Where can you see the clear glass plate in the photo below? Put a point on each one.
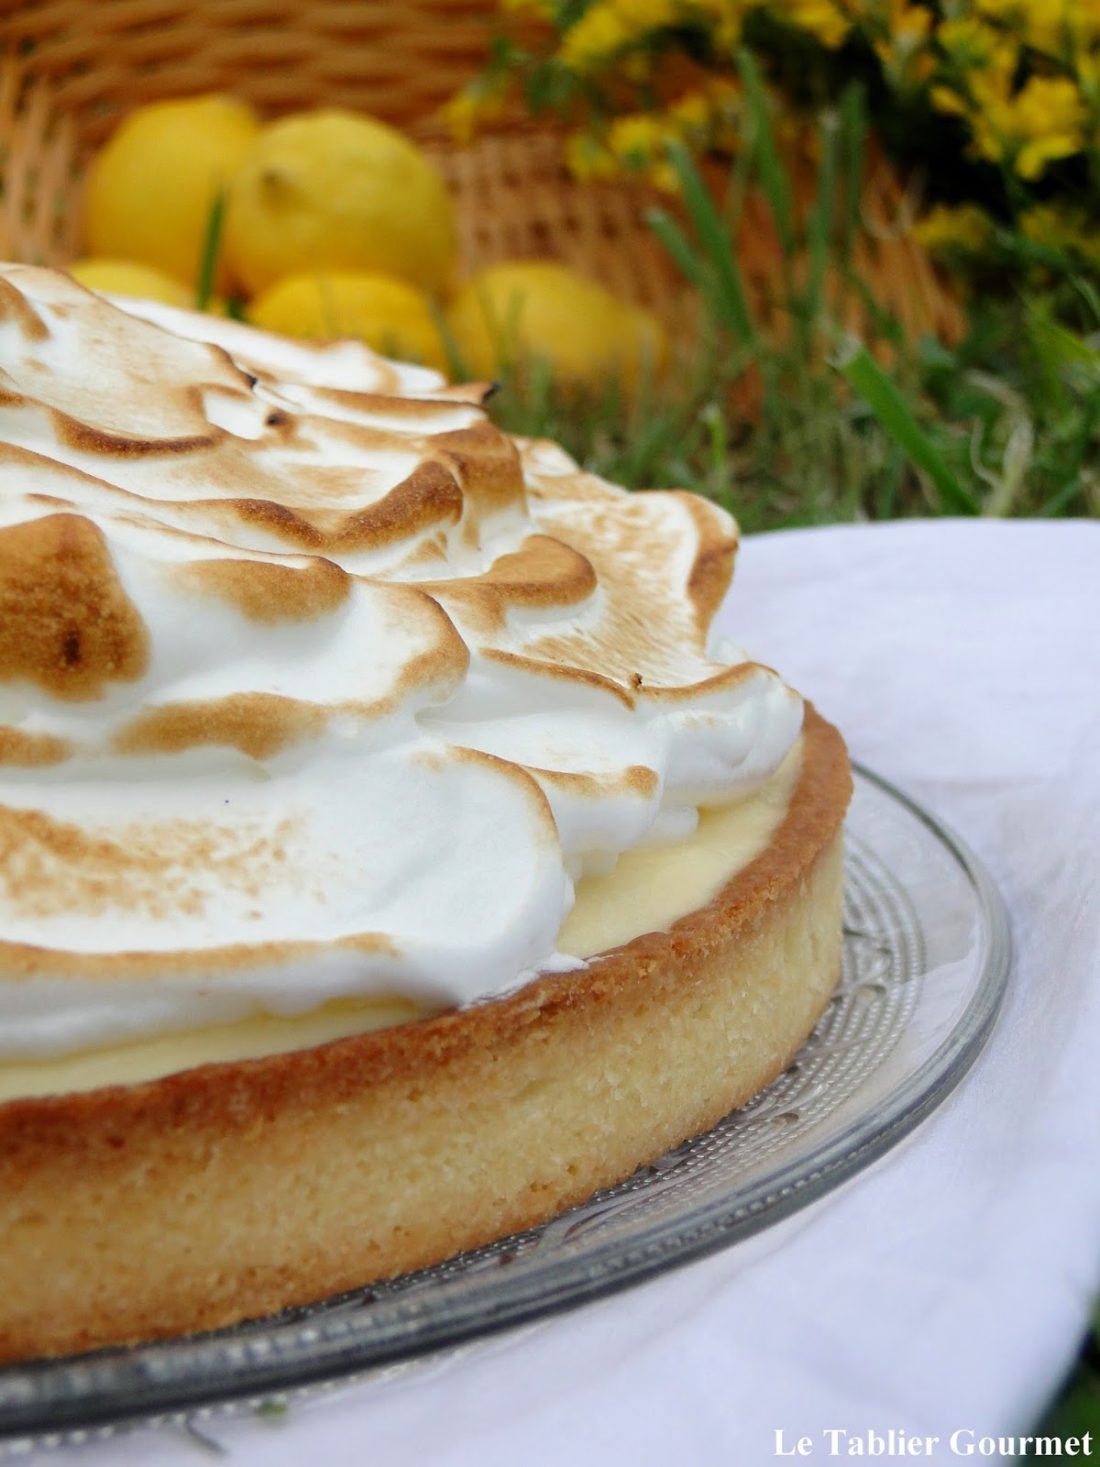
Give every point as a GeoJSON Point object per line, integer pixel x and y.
{"type": "Point", "coordinates": [926, 955]}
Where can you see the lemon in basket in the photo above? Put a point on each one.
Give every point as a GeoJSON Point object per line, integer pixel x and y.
{"type": "Point", "coordinates": [514, 313]}
{"type": "Point", "coordinates": [332, 190]}
{"type": "Point", "coordinates": [151, 189]}
{"type": "Point", "coordinates": [128, 277]}
{"type": "Point", "coordinates": [390, 315]}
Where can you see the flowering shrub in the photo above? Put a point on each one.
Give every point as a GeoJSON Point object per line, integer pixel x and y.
{"type": "Point", "coordinates": [994, 108]}
{"type": "Point", "coordinates": [1012, 85]}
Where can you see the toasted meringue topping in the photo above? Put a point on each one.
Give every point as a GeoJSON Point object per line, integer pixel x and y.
{"type": "Point", "coordinates": [314, 685]}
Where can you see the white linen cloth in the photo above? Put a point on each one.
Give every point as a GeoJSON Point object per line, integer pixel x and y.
{"type": "Point", "coordinates": [944, 1288]}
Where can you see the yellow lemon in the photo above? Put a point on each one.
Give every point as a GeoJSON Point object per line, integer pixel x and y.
{"type": "Point", "coordinates": [331, 190]}
{"type": "Point", "coordinates": [127, 277]}
{"type": "Point", "coordinates": [514, 313]}
{"type": "Point", "coordinates": [390, 315]}
{"type": "Point", "coordinates": [152, 187]}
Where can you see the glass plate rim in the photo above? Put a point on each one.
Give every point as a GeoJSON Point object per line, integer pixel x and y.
{"type": "Point", "coordinates": [294, 1354]}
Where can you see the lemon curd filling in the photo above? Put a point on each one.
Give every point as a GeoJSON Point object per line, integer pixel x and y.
{"type": "Point", "coordinates": [323, 701]}
{"type": "Point", "coordinates": [648, 889]}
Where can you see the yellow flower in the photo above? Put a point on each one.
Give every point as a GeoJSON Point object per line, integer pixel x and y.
{"type": "Point", "coordinates": [664, 177]}
{"type": "Point", "coordinates": [962, 228]}
{"type": "Point", "coordinates": [460, 115]}
{"type": "Point", "coordinates": [977, 81]}
{"type": "Point", "coordinates": [638, 138]}
{"type": "Point", "coordinates": [724, 124]}
{"type": "Point", "coordinates": [902, 48]}
{"type": "Point", "coordinates": [723, 16]}
{"type": "Point", "coordinates": [465, 112]}
{"type": "Point", "coordinates": [1042, 224]}
{"type": "Point", "coordinates": [946, 99]}
{"type": "Point", "coordinates": [725, 95]}
{"type": "Point", "coordinates": [1083, 18]}
{"type": "Point", "coordinates": [910, 25]}
{"type": "Point", "coordinates": [1029, 128]}
{"type": "Point", "coordinates": [704, 117]}
{"type": "Point", "coordinates": [692, 112]}
{"type": "Point", "coordinates": [646, 15]}
{"type": "Point", "coordinates": [587, 159]}
{"type": "Point", "coordinates": [1048, 114]}
{"type": "Point", "coordinates": [1066, 231]}
{"type": "Point", "coordinates": [1043, 24]}
{"type": "Point", "coordinates": [822, 18]}
{"type": "Point", "coordinates": [609, 26]}
{"type": "Point", "coordinates": [972, 45]}
{"type": "Point", "coordinates": [1046, 24]}
{"type": "Point", "coordinates": [598, 34]}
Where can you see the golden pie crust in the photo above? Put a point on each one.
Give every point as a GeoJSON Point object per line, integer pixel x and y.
{"type": "Point", "coordinates": [235, 1190]}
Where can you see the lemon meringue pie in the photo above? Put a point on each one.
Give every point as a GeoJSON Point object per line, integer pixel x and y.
{"type": "Point", "coordinates": [390, 854]}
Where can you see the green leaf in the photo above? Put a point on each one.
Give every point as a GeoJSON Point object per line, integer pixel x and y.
{"type": "Point", "coordinates": [1061, 348]}
{"type": "Point", "coordinates": [864, 375]}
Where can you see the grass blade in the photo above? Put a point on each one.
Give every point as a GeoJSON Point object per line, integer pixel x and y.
{"type": "Point", "coordinates": [1061, 499]}
{"type": "Point", "coordinates": [676, 242]}
{"type": "Point", "coordinates": [774, 178]}
{"type": "Point", "coordinates": [819, 226]}
{"type": "Point", "coordinates": [211, 248]}
{"type": "Point", "coordinates": [457, 370]}
{"type": "Point", "coordinates": [891, 483]}
{"type": "Point", "coordinates": [1088, 293]}
{"type": "Point", "coordinates": [740, 178]}
{"type": "Point", "coordinates": [864, 375]}
{"type": "Point", "coordinates": [853, 137]}
{"type": "Point", "coordinates": [728, 295]}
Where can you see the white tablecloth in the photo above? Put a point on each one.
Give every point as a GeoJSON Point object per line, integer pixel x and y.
{"type": "Point", "coordinates": [942, 1290]}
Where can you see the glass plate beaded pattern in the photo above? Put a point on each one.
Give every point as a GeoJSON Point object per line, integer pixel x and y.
{"type": "Point", "coordinates": [926, 956]}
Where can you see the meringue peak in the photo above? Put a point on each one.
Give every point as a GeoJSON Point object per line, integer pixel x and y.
{"type": "Point", "coordinates": [66, 623]}
{"type": "Point", "coordinates": [314, 684]}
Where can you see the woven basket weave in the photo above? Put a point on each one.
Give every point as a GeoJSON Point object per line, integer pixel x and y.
{"type": "Point", "coordinates": [71, 69]}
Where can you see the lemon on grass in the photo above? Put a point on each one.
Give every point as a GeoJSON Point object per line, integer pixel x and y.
{"type": "Point", "coordinates": [128, 277]}
{"type": "Point", "coordinates": [390, 315]}
{"type": "Point", "coordinates": [151, 189]}
{"type": "Point", "coordinates": [514, 313]}
{"type": "Point", "coordinates": [332, 190]}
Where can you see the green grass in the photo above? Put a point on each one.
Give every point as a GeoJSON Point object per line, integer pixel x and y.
{"type": "Point", "coordinates": [1001, 425]}
{"type": "Point", "coordinates": [805, 425]}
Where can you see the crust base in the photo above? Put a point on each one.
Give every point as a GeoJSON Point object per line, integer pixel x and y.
{"type": "Point", "coordinates": [236, 1190]}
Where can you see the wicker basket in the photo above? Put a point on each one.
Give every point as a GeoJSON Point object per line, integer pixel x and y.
{"type": "Point", "coordinates": [71, 69]}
